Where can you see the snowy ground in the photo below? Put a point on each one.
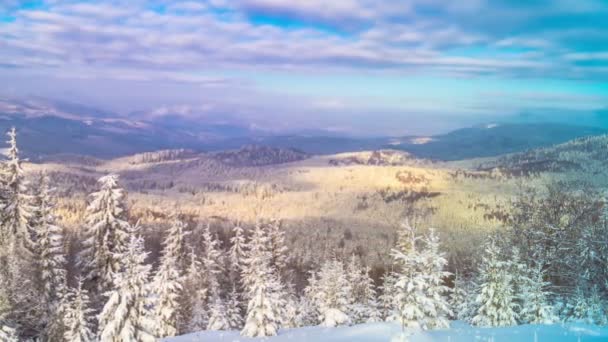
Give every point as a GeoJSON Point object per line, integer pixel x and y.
{"type": "Point", "coordinates": [385, 332]}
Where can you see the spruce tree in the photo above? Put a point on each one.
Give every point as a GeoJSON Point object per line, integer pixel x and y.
{"type": "Point", "coordinates": [387, 297]}
{"type": "Point", "coordinates": [536, 308]}
{"type": "Point", "coordinates": [495, 299]}
{"type": "Point", "coordinates": [79, 316]}
{"type": "Point", "coordinates": [106, 234]}
{"type": "Point", "coordinates": [218, 315]}
{"type": "Point", "coordinates": [17, 211]}
{"type": "Point", "coordinates": [331, 294]}
{"type": "Point", "coordinates": [167, 285]}
{"type": "Point", "coordinates": [125, 316]}
{"type": "Point", "coordinates": [264, 289]}
{"type": "Point", "coordinates": [236, 255]}
{"type": "Point", "coordinates": [411, 280]}
{"type": "Point", "coordinates": [235, 317]}
{"type": "Point", "coordinates": [50, 259]}
{"type": "Point", "coordinates": [438, 311]}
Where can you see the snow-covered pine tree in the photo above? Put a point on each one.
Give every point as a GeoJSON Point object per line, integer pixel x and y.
{"type": "Point", "coordinates": [411, 280]}
{"type": "Point", "coordinates": [106, 235]}
{"type": "Point", "coordinates": [125, 316]}
{"type": "Point", "coordinates": [264, 289]}
{"type": "Point", "coordinates": [17, 264]}
{"type": "Point", "coordinates": [199, 316]}
{"type": "Point", "coordinates": [495, 300]}
{"type": "Point", "coordinates": [536, 308]}
{"type": "Point", "coordinates": [167, 285]}
{"type": "Point", "coordinates": [79, 316]}
{"type": "Point", "coordinates": [50, 258]}
{"type": "Point", "coordinates": [218, 315]}
{"type": "Point", "coordinates": [277, 248]}
{"type": "Point", "coordinates": [194, 305]}
{"type": "Point", "coordinates": [235, 317]}
{"type": "Point", "coordinates": [363, 306]}
{"type": "Point", "coordinates": [460, 299]}
{"type": "Point", "coordinates": [331, 294]}
{"type": "Point", "coordinates": [212, 263]}
{"type": "Point", "coordinates": [387, 297]}
{"type": "Point", "coordinates": [17, 211]}
{"type": "Point", "coordinates": [306, 312]}
{"type": "Point", "coordinates": [410, 288]}
{"type": "Point", "coordinates": [236, 255]}
{"type": "Point", "coordinates": [438, 310]}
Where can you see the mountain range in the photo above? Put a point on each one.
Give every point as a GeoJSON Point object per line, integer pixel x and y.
{"type": "Point", "coordinates": [51, 127]}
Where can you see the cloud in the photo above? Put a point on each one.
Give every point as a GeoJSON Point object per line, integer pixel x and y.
{"type": "Point", "coordinates": [236, 44]}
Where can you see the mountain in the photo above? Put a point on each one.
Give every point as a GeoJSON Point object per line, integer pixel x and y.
{"type": "Point", "coordinates": [49, 127]}
{"type": "Point", "coordinates": [492, 140]}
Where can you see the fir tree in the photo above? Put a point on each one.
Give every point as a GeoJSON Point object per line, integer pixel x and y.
{"type": "Point", "coordinates": [495, 300]}
{"type": "Point", "coordinates": [212, 263]}
{"type": "Point", "coordinates": [363, 306]}
{"type": "Point", "coordinates": [264, 289]}
{"type": "Point", "coordinates": [236, 255]}
{"type": "Point", "coordinates": [411, 281]}
{"type": "Point", "coordinates": [460, 300]}
{"type": "Point", "coordinates": [106, 234]}
{"type": "Point", "coordinates": [534, 300]}
{"type": "Point", "coordinates": [218, 315]}
{"type": "Point", "coordinates": [125, 317]}
{"type": "Point", "coordinates": [277, 248]}
{"type": "Point", "coordinates": [235, 317]}
{"type": "Point", "coordinates": [387, 297]}
{"type": "Point", "coordinates": [438, 310]}
{"type": "Point", "coordinates": [50, 258]}
{"type": "Point", "coordinates": [17, 212]}
{"type": "Point", "coordinates": [79, 317]}
{"type": "Point", "coordinates": [331, 294]}
{"type": "Point", "coordinates": [167, 284]}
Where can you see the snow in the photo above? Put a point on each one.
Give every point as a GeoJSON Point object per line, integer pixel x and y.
{"type": "Point", "coordinates": [390, 332]}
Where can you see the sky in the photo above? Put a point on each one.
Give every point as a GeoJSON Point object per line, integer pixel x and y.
{"type": "Point", "coordinates": [363, 67]}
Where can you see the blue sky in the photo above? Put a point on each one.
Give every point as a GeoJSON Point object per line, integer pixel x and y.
{"type": "Point", "coordinates": [354, 66]}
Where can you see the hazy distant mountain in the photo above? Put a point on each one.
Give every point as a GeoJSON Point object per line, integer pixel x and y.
{"type": "Point", "coordinates": [492, 140]}
{"type": "Point", "coordinates": [50, 127]}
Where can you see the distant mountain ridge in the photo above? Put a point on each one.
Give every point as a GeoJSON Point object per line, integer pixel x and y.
{"type": "Point", "coordinates": [51, 128]}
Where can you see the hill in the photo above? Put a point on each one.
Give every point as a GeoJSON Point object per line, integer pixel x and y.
{"type": "Point", "coordinates": [493, 140]}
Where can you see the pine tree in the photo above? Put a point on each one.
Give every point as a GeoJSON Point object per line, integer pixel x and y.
{"type": "Point", "coordinates": [212, 263]}
{"type": "Point", "coordinates": [363, 306]}
{"type": "Point", "coordinates": [331, 294]}
{"type": "Point", "coordinates": [235, 317]}
{"type": "Point", "coordinates": [17, 212]}
{"type": "Point", "coordinates": [264, 289]}
{"type": "Point", "coordinates": [17, 262]}
{"type": "Point", "coordinates": [50, 259]}
{"type": "Point", "coordinates": [411, 281]}
{"type": "Point", "coordinates": [495, 300]}
{"type": "Point", "coordinates": [218, 315]}
{"type": "Point", "coordinates": [79, 317]}
{"type": "Point", "coordinates": [167, 284]}
{"type": "Point", "coordinates": [534, 298]}
{"type": "Point", "coordinates": [438, 310]}
{"type": "Point", "coordinates": [236, 255]}
{"type": "Point", "coordinates": [106, 234]}
{"type": "Point", "coordinates": [277, 248]}
{"type": "Point", "coordinates": [125, 316]}
{"type": "Point", "coordinates": [387, 297]}
{"type": "Point", "coordinates": [460, 300]}
{"type": "Point", "coordinates": [199, 317]}
{"type": "Point", "coordinates": [194, 304]}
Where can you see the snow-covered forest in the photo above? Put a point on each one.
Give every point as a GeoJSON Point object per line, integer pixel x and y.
{"type": "Point", "coordinates": [112, 289]}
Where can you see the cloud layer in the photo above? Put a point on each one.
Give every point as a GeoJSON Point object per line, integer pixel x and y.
{"type": "Point", "coordinates": [249, 47]}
